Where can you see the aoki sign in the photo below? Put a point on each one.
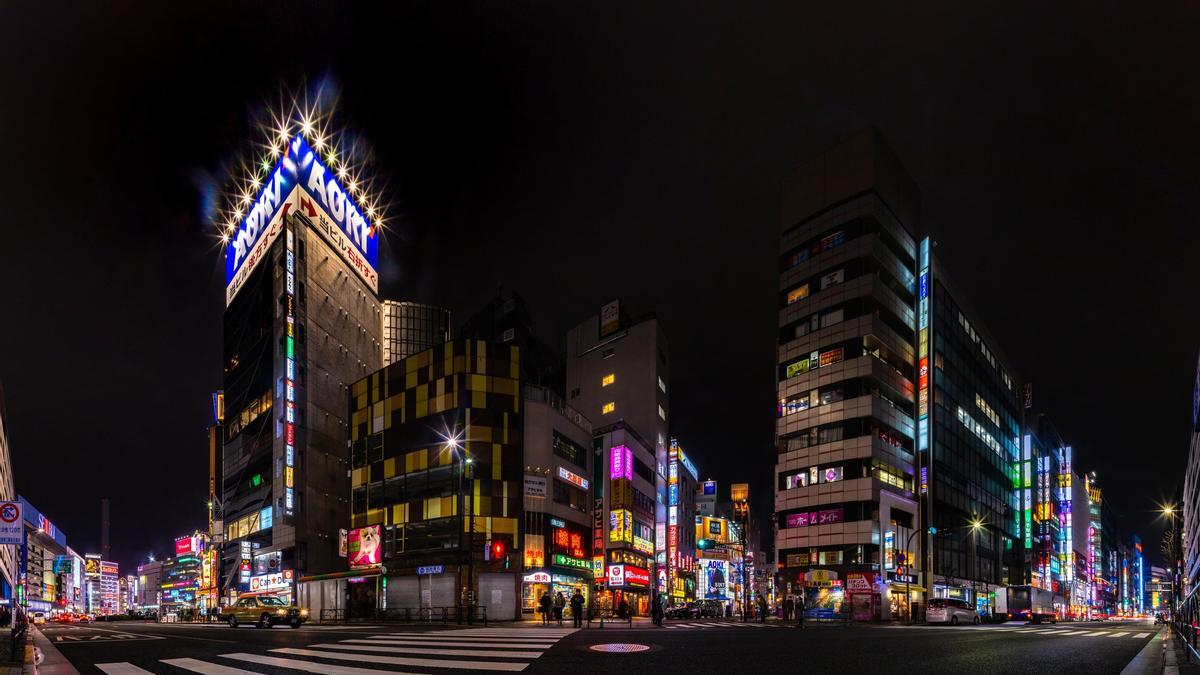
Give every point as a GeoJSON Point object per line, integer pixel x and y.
{"type": "Point", "coordinates": [300, 183]}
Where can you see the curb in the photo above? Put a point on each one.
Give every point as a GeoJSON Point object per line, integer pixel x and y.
{"type": "Point", "coordinates": [1149, 661]}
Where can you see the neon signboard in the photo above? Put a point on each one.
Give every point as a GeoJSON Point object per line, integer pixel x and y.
{"type": "Point", "coordinates": [923, 374]}
{"type": "Point", "coordinates": [621, 462]}
{"type": "Point", "coordinates": [573, 479]}
{"type": "Point", "coordinates": [301, 173]}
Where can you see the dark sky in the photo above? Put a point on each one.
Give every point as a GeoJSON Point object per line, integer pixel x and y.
{"type": "Point", "coordinates": [577, 154]}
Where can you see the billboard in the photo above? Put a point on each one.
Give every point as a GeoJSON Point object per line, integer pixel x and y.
{"type": "Point", "coordinates": [363, 546]}
{"type": "Point", "coordinates": [300, 183]}
{"type": "Point", "coordinates": [184, 546]}
{"type": "Point", "coordinates": [610, 318]}
{"type": "Point", "coordinates": [276, 581]}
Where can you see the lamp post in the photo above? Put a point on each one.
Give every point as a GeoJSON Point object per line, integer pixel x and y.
{"type": "Point", "coordinates": [907, 588]}
{"type": "Point", "coordinates": [1169, 511]}
{"type": "Point", "coordinates": [454, 445]}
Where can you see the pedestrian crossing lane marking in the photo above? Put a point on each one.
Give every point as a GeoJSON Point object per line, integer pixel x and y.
{"type": "Point", "coordinates": [417, 642]}
{"type": "Point", "coordinates": [307, 666]}
{"type": "Point", "coordinates": [1140, 635]}
{"type": "Point", "coordinates": [206, 668]}
{"type": "Point", "coordinates": [1095, 633]}
{"type": "Point", "coordinates": [122, 668]}
{"type": "Point", "coordinates": [1118, 634]}
{"type": "Point", "coordinates": [433, 651]}
{"type": "Point", "coordinates": [404, 661]}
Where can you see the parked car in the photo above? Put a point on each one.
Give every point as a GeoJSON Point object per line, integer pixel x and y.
{"type": "Point", "coordinates": [711, 608]}
{"type": "Point", "coordinates": [38, 618]}
{"type": "Point", "coordinates": [951, 611]}
{"type": "Point", "coordinates": [690, 610]}
{"type": "Point", "coordinates": [263, 611]}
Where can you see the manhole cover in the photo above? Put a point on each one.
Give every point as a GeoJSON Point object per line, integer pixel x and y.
{"type": "Point", "coordinates": [619, 648]}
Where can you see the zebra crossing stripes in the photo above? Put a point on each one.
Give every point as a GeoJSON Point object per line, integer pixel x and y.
{"type": "Point", "coordinates": [719, 624]}
{"type": "Point", "coordinates": [478, 650]}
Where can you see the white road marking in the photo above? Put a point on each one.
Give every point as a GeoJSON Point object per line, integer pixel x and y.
{"type": "Point", "coordinates": [1095, 633]}
{"type": "Point", "coordinates": [1118, 634]}
{"type": "Point", "coordinates": [416, 642]}
{"type": "Point", "coordinates": [122, 668]}
{"type": "Point", "coordinates": [388, 649]}
{"type": "Point", "coordinates": [307, 666]}
{"type": "Point", "coordinates": [451, 638]}
{"type": "Point", "coordinates": [1140, 635]}
{"type": "Point", "coordinates": [206, 668]}
{"type": "Point", "coordinates": [405, 661]}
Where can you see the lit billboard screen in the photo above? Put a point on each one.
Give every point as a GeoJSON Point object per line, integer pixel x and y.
{"type": "Point", "coordinates": [364, 546]}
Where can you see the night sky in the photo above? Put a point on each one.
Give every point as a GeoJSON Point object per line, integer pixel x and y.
{"type": "Point", "coordinates": [577, 154]}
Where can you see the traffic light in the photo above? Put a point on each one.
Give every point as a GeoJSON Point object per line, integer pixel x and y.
{"type": "Point", "coordinates": [498, 549]}
{"type": "Point", "coordinates": [901, 559]}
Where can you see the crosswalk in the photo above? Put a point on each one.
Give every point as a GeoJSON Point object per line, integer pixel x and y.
{"type": "Point", "coordinates": [1135, 632]}
{"type": "Point", "coordinates": [476, 649]}
{"type": "Point", "coordinates": [719, 624]}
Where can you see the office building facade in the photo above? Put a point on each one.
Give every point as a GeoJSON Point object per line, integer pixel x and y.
{"type": "Point", "coordinates": [845, 498]}
{"type": "Point", "coordinates": [559, 487]}
{"type": "Point", "coordinates": [437, 481]}
{"type": "Point", "coordinates": [302, 322]}
{"type": "Point", "coordinates": [411, 327]}
{"type": "Point", "coordinates": [618, 375]}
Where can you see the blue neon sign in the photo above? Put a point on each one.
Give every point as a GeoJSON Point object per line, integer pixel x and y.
{"type": "Point", "coordinates": [301, 167]}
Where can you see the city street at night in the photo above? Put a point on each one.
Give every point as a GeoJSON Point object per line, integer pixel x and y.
{"type": "Point", "coordinates": [345, 338]}
{"type": "Point", "coordinates": [716, 646]}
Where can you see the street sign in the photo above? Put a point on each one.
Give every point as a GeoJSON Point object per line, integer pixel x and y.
{"type": "Point", "coordinates": [11, 526]}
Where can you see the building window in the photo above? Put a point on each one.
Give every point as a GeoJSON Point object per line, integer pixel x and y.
{"type": "Point", "coordinates": [797, 294]}
{"type": "Point", "coordinates": [608, 407]}
{"type": "Point", "coordinates": [571, 496]}
{"type": "Point", "coordinates": [662, 414]}
{"type": "Point", "coordinates": [569, 450]}
{"type": "Point", "coordinates": [608, 379]}
{"type": "Point", "coordinates": [662, 385]}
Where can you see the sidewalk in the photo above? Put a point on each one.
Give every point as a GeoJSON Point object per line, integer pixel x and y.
{"type": "Point", "coordinates": [1177, 657]}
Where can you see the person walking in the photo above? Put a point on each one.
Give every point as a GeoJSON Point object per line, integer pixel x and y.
{"type": "Point", "coordinates": [657, 611]}
{"type": "Point", "coordinates": [560, 602]}
{"type": "Point", "coordinates": [545, 604]}
{"type": "Point", "coordinates": [788, 608]}
{"type": "Point", "coordinates": [577, 609]}
{"type": "Point", "coordinates": [800, 610]}
{"type": "Point", "coordinates": [762, 608]}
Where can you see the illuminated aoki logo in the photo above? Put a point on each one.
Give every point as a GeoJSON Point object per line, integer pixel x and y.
{"type": "Point", "coordinates": [260, 217]}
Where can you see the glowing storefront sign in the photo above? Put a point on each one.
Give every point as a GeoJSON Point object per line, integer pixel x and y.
{"type": "Point", "coordinates": [573, 479]}
{"type": "Point", "coordinates": [567, 561]}
{"type": "Point", "coordinates": [620, 526]}
{"type": "Point", "coordinates": [628, 575]}
{"type": "Point", "coordinates": [363, 545]}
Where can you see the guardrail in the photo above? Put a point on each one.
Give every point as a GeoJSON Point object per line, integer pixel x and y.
{"type": "Point", "coordinates": [455, 614]}
{"type": "Point", "coordinates": [1187, 633]}
{"type": "Point", "coordinates": [611, 616]}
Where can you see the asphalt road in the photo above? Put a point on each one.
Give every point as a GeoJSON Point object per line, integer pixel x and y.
{"type": "Point", "coordinates": [712, 646]}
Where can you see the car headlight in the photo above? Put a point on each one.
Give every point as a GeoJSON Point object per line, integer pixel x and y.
{"type": "Point", "coordinates": [304, 612]}
{"type": "Point", "coordinates": [281, 612]}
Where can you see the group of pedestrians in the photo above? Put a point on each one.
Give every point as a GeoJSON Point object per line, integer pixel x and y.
{"type": "Point", "coordinates": [555, 605]}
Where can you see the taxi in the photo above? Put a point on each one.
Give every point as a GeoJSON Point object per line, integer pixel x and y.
{"type": "Point", "coordinates": [263, 611]}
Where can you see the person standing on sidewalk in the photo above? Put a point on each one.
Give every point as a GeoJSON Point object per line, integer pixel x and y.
{"type": "Point", "coordinates": [545, 604]}
{"type": "Point", "coordinates": [577, 609]}
{"type": "Point", "coordinates": [560, 602]}
{"type": "Point", "coordinates": [762, 608]}
{"type": "Point", "coordinates": [800, 610]}
{"type": "Point", "coordinates": [656, 611]}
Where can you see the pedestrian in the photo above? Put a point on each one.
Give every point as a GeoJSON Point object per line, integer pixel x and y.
{"type": "Point", "coordinates": [577, 609]}
{"type": "Point", "coordinates": [657, 611]}
{"type": "Point", "coordinates": [560, 602]}
{"type": "Point", "coordinates": [762, 608]}
{"type": "Point", "coordinates": [788, 608]}
{"type": "Point", "coordinates": [622, 609]}
{"type": "Point", "coordinates": [800, 610]}
{"type": "Point", "coordinates": [545, 604]}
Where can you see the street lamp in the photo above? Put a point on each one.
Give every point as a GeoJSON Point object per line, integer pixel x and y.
{"type": "Point", "coordinates": [907, 544]}
{"type": "Point", "coordinates": [454, 443]}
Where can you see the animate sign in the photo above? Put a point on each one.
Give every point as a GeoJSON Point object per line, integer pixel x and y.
{"type": "Point", "coordinates": [301, 184]}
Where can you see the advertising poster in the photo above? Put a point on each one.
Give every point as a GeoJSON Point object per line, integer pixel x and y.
{"type": "Point", "coordinates": [363, 546]}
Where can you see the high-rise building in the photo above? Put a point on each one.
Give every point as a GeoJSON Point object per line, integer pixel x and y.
{"type": "Point", "coordinates": [891, 388]}
{"type": "Point", "coordinates": [50, 573]}
{"type": "Point", "coordinates": [411, 327]}
{"type": "Point", "coordinates": [846, 496]}
{"type": "Point", "coordinates": [558, 492]}
{"type": "Point", "coordinates": [437, 482]}
{"type": "Point", "coordinates": [302, 322]}
{"type": "Point", "coordinates": [682, 477]}
{"type": "Point", "coordinates": [1187, 516]}
{"type": "Point", "coordinates": [1043, 560]}
{"type": "Point", "coordinates": [149, 584]}
{"type": "Point", "coordinates": [626, 528]}
{"type": "Point", "coordinates": [9, 558]}
{"type": "Point", "coordinates": [618, 376]}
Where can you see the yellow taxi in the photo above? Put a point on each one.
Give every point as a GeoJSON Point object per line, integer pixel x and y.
{"type": "Point", "coordinates": [263, 611]}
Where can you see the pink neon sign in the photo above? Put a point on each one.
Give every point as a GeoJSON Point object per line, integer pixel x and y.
{"type": "Point", "coordinates": [621, 462]}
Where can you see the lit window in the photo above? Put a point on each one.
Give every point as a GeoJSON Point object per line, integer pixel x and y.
{"type": "Point", "coordinates": [608, 379]}
{"type": "Point", "coordinates": [797, 294]}
{"type": "Point", "coordinates": [662, 413]}
{"type": "Point", "coordinates": [608, 407]}
{"type": "Point", "coordinates": [662, 385]}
